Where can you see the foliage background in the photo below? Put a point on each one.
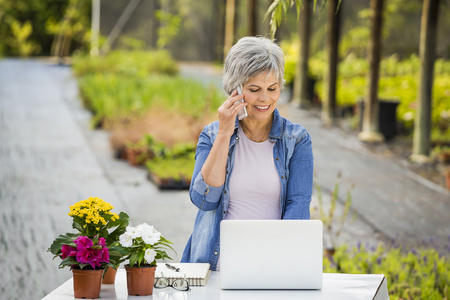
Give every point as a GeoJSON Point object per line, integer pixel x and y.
{"type": "Point", "coordinates": [193, 29]}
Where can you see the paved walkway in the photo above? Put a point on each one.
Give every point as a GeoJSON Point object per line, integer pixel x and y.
{"type": "Point", "coordinates": [50, 159]}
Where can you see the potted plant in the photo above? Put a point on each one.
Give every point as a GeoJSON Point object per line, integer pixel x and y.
{"type": "Point", "coordinates": [87, 259]}
{"type": "Point", "coordinates": [143, 245]}
{"type": "Point", "coordinates": [93, 220]}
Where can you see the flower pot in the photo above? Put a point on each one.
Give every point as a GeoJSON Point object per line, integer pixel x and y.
{"type": "Point", "coordinates": [110, 276]}
{"type": "Point", "coordinates": [447, 179]}
{"type": "Point", "coordinates": [140, 280]}
{"type": "Point", "coordinates": [87, 283]}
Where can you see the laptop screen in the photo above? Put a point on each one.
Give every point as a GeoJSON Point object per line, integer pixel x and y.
{"type": "Point", "coordinates": [271, 254]}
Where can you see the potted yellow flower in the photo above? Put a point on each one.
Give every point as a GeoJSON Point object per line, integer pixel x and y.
{"type": "Point", "coordinates": [94, 247]}
{"type": "Point", "coordinates": [143, 245]}
{"type": "Point", "coordinates": [93, 216]}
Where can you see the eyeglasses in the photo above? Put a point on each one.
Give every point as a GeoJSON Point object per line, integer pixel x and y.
{"type": "Point", "coordinates": [178, 284]}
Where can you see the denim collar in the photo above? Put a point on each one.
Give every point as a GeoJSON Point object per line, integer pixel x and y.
{"type": "Point", "coordinates": [277, 124]}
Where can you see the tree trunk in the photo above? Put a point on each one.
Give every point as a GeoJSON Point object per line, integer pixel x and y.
{"type": "Point", "coordinates": [332, 42]}
{"type": "Point", "coordinates": [251, 17]}
{"type": "Point", "coordinates": [301, 82]}
{"type": "Point", "coordinates": [370, 127]}
{"type": "Point", "coordinates": [220, 30]}
{"type": "Point", "coordinates": [229, 26]}
{"type": "Point", "coordinates": [427, 50]}
{"type": "Point", "coordinates": [95, 27]}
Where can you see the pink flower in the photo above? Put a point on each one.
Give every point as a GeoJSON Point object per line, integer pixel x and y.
{"type": "Point", "coordinates": [83, 242]}
{"type": "Point", "coordinates": [86, 254]}
{"type": "Point", "coordinates": [102, 242]}
{"type": "Point", "coordinates": [68, 251]}
{"type": "Point", "coordinates": [105, 256]}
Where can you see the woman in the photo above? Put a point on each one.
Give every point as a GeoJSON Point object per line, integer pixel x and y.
{"type": "Point", "coordinates": [260, 167]}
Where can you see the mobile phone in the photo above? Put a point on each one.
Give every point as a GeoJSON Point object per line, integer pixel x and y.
{"type": "Point", "coordinates": [243, 112]}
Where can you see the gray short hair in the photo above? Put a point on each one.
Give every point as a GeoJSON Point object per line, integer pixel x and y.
{"type": "Point", "coordinates": [250, 57]}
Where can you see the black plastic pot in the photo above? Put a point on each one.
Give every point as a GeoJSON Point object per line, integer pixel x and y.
{"type": "Point", "coordinates": [387, 117]}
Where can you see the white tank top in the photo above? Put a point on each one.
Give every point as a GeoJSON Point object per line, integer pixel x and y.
{"type": "Point", "coordinates": [255, 187]}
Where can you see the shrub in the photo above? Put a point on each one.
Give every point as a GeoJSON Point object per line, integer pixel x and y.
{"type": "Point", "coordinates": [115, 98]}
{"type": "Point", "coordinates": [414, 274]}
{"type": "Point", "coordinates": [175, 163]}
{"type": "Point", "coordinates": [128, 63]}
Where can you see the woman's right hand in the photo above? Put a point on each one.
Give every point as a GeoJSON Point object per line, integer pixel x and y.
{"type": "Point", "coordinates": [228, 112]}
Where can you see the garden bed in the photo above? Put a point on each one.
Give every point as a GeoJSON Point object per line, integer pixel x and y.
{"type": "Point", "coordinates": [154, 115]}
{"type": "Point", "coordinates": [169, 183]}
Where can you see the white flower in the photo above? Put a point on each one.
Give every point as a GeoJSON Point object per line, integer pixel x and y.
{"type": "Point", "coordinates": [143, 229]}
{"type": "Point", "coordinates": [148, 233]}
{"type": "Point", "coordinates": [126, 239]}
{"type": "Point", "coordinates": [132, 231]}
{"type": "Point", "coordinates": [151, 237]}
{"type": "Point", "coordinates": [150, 255]}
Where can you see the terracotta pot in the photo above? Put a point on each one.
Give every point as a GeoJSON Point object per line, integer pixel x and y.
{"type": "Point", "coordinates": [110, 276]}
{"type": "Point", "coordinates": [447, 179]}
{"type": "Point", "coordinates": [87, 283]}
{"type": "Point", "coordinates": [140, 280]}
{"type": "Point", "coordinates": [132, 157]}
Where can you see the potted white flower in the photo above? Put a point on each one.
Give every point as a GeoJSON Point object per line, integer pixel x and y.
{"type": "Point", "coordinates": [143, 245]}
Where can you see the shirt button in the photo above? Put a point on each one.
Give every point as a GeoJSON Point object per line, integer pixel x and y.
{"type": "Point", "coordinates": [224, 192]}
{"type": "Point", "coordinates": [277, 158]}
{"type": "Point", "coordinates": [215, 253]}
{"type": "Point", "coordinates": [282, 177]}
{"type": "Point", "coordinates": [237, 138]}
{"type": "Point", "coordinates": [227, 172]}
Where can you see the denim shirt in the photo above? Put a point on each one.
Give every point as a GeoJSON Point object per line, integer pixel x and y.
{"type": "Point", "coordinates": [293, 157]}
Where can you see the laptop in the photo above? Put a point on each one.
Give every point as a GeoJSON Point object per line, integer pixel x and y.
{"type": "Point", "coordinates": [271, 254]}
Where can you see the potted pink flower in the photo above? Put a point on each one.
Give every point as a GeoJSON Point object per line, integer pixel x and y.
{"type": "Point", "coordinates": [88, 259]}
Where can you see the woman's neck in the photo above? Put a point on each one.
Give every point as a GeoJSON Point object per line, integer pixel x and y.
{"type": "Point", "coordinates": [257, 131]}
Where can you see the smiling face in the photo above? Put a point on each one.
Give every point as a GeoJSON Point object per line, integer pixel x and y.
{"type": "Point", "coordinates": [261, 93]}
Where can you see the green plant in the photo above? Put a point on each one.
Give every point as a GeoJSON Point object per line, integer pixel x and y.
{"type": "Point", "coordinates": [176, 163]}
{"type": "Point", "coordinates": [413, 274]}
{"type": "Point", "coordinates": [332, 221]}
{"type": "Point", "coordinates": [20, 41]}
{"type": "Point", "coordinates": [116, 98]}
{"type": "Point", "coordinates": [128, 63]}
{"type": "Point", "coordinates": [95, 243]}
{"type": "Point", "coordinates": [170, 28]}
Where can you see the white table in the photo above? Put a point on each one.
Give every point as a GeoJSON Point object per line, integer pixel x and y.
{"type": "Point", "coordinates": [335, 286]}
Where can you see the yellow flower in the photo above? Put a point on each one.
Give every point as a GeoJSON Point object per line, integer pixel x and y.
{"type": "Point", "coordinates": [92, 211]}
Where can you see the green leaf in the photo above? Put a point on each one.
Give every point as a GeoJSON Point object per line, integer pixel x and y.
{"type": "Point", "coordinates": [133, 259]}
{"type": "Point", "coordinates": [63, 239]}
{"type": "Point", "coordinates": [121, 224]}
{"type": "Point", "coordinates": [77, 223]}
{"type": "Point", "coordinates": [83, 265]}
{"type": "Point", "coordinates": [271, 8]}
{"type": "Point", "coordinates": [141, 255]}
{"type": "Point", "coordinates": [68, 262]}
